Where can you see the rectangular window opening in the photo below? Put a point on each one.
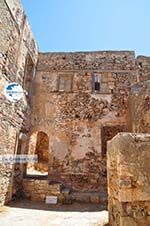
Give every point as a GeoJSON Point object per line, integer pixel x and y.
{"type": "Point", "coordinates": [65, 82]}
{"type": "Point", "coordinates": [96, 83]}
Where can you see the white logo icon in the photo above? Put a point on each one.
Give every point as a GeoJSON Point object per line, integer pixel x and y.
{"type": "Point", "coordinates": [13, 92]}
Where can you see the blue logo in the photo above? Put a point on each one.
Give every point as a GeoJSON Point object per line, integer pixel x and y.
{"type": "Point", "coordinates": [13, 92]}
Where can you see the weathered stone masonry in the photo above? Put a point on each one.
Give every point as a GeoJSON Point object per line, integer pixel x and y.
{"type": "Point", "coordinates": [140, 105]}
{"type": "Point", "coordinates": [16, 45]}
{"type": "Point", "coordinates": [75, 117]}
{"type": "Point", "coordinates": [128, 179]}
{"type": "Point", "coordinates": [128, 173]}
{"type": "Point", "coordinates": [79, 120]}
{"type": "Point", "coordinates": [73, 104]}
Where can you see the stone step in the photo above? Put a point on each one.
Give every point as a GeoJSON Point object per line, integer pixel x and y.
{"type": "Point", "coordinates": [89, 197]}
{"type": "Point", "coordinates": [54, 188]}
{"type": "Point", "coordinates": [69, 196]}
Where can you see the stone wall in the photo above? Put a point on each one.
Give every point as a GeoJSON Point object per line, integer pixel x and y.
{"type": "Point", "coordinates": [62, 100]}
{"type": "Point", "coordinates": [75, 117]}
{"type": "Point", "coordinates": [16, 43]}
{"type": "Point", "coordinates": [140, 107]}
{"type": "Point", "coordinates": [38, 189]}
{"type": "Point", "coordinates": [128, 180]}
{"type": "Point", "coordinates": [143, 68]}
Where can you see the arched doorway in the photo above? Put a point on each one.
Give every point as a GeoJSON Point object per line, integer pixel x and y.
{"type": "Point", "coordinates": [39, 145]}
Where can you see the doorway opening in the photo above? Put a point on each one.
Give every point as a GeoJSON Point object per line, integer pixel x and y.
{"type": "Point", "coordinates": [107, 133]}
{"type": "Point", "coordinates": [39, 145]}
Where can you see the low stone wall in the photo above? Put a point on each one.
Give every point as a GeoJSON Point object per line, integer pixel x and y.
{"type": "Point", "coordinates": [129, 180]}
{"type": "Point", "coordinates": [37, 190]}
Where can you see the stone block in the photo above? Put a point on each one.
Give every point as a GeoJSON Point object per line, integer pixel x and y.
{"type": "Point", "coordinates": [42, 196]}
{"type": "Point", "coordinates": [140, 105]}
{"type": "Point", "coordinates": [54, 189]}
{"type": "Point", "coordinates": [128, 179]}
{"type": "Point", "coordinates": [128, 221]}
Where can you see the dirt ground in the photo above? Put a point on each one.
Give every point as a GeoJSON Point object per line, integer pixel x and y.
{"type": "Point", "coordinates": [27, 213]}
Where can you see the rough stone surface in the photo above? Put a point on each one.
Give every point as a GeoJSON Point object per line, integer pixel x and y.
{"type": "Point", "coordinates": [37, 190]}
{"type": "Point", "coordinates": [16, 42]}
{"type": "Point", "coordinates": [62, 117]}
{"type": "Point", "coordinates": [140, 105]}
{"type": "Point", "coordinates": [128, 179]}
{"type": "Point", "coordinates": [66, 108]}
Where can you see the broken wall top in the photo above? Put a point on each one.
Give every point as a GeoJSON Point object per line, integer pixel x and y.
{"type": "Point", "coordinates": [100, 60]}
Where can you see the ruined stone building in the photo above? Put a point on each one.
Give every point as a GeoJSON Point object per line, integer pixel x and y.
{"type": "Point", "coordinates": [73, 104]}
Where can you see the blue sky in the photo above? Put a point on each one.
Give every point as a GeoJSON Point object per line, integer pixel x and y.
{"type": "Point", "coordinates": [90, 25]}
